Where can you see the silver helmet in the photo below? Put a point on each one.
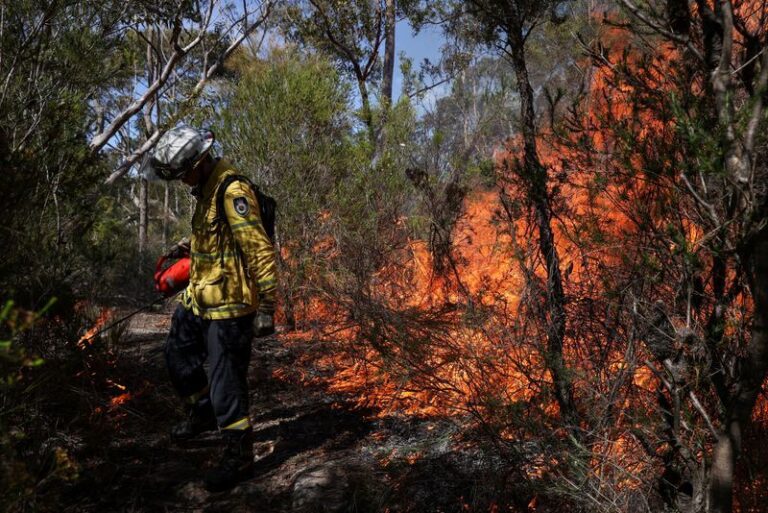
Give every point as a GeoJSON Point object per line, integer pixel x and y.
{"type": "Point", "coordinates": [178, 150]}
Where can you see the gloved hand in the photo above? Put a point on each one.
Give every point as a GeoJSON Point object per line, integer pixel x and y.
{"type": "Point", "coordinates": [264, 324]}
{"type": "Point", "coordinates": [179, 250]}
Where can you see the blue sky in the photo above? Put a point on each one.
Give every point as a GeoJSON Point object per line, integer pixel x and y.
{"type": "Point", "coordinates": [425, 45]}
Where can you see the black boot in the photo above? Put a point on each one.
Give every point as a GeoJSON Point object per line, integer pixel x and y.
{"type": "Point", "coordinates": [200, 418]}
{"type": "Point", "coordinates": [236, 463]}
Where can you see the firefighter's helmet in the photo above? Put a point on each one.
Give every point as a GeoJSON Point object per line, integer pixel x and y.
{"type": "Point", "coordinates": [178, 150]}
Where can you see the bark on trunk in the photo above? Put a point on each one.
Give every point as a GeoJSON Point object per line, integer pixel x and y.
{"type": "Point", "coordinates": [388, 74]}
{"type": "Point", "coordinates": [753, 372]}
{"type": "Point", "coordinates": [166, 208]}
{"type": "Point", "coordinates": [741, 397]}
{"type": "Point", "coordinates": [149, 126]}
{"type": "Point", "coordinates": [536, 178]}
{"type": "Point", "coordinates": [143, 217]}
{"type": "Point", "coordinates": [367, 114]}
{"type": "Point", "coordinates": [389, 54]}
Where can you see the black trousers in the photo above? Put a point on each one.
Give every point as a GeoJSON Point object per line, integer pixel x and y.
{"type": "Point", "coordinates": [226, 344]}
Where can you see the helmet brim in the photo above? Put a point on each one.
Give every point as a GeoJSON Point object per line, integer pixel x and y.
{"type": "Point", "coordinates": [152, 170]}
{"type": "Point", "coordinates": [147, 170]}
{"type": "Point", "coordinates": [206, 148]}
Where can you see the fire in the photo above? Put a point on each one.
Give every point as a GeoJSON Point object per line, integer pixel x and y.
{"type": "Point", "coordinates": [485, 354]}
{"type": "Point", "coordinates": [413, 457]}
{"type": "Point", "coordinates": [95, 364]}
{"type": "Point", "coordinates": [102, 319]}
{"type": "Point", "coordinates": [118, 386]}
{"type": "Point", "coordinates": [119, 400]}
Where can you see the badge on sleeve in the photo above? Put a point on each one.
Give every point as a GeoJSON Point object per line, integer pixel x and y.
{"type": "Point", "coordinates": [241, 206]}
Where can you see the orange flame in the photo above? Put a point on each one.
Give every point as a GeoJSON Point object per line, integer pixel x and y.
{"type": "Point", "coordinates": [102, 319]}
{"type": "Point", "coordinates": [489, 254]}
{"type": "Point", "coordinates": [119, 400]}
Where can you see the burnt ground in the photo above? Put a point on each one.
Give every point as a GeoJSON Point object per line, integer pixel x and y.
{"type": "Point", "coordinates": [313, 454]}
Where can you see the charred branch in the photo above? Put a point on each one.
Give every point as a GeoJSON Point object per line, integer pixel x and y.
{"type": "Point", "coordinates": [445, 206]}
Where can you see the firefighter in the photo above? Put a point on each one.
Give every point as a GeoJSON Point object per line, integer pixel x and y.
{"type": "Point", "coordinates": [231, 293]}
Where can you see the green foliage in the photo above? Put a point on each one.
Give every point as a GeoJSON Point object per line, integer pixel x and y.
{"type": "Point", "coordinates": [288, 124]}
{"type": "Point", "coordinates": [287, 115]}
{"type": "Point", "coordinates": [356, 26]}
{"type": "Point", "coordinates": [17, 477]}
{"type": "Point", "coordinates": [50, 178]}
{"type": "Point", "coordinates": [371, 200]}
{"type": "Point", "coordinates": [483, 172]}
{"type": "Point", "coordinates": [696, 132]}
{"type": "Point", "coordinates": [14, 358]}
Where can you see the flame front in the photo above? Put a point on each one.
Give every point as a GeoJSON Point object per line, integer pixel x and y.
{"type": "Point", "coordinates": [470, 339]}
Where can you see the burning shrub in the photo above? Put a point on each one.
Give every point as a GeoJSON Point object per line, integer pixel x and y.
{"type": "Point", "coordinates": [604, 308]}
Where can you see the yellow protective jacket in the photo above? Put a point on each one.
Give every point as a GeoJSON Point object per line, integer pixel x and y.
{"type": "Point", "coordinates": [233, 263]}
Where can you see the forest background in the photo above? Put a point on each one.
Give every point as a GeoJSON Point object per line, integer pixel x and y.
{"type": "Point", "coordinates": [564, 251]}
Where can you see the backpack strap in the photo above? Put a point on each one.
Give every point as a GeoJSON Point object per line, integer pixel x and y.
{"type": "Point", "coordinates": [267, 208]}
{"type": "Point", "coordinates": [221, 216]}
{"type": "Point", "coordinates": [267, 204]}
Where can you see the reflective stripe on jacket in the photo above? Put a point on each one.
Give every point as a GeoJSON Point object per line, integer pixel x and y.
{"type": "Point", "coordinates": [233, 262]}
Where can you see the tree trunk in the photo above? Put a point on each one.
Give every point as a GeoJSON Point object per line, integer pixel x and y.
{"type": "Point", "coordinates": [742, 395]}
{"type": "Point", "coordinates": [366, 108]}
{"type": "Point", "coordinates": [389, 54]}
{"type": "Point", "coordinates": [753, 372]}
{"type": "Point", "coordinates": [535, 176]}
{"type": "Point", "coordinates": [388, 74]}
{"type": "Point", "coordinates": [143, 214]}
{"type": "Point", "coordinates": [149, 126]}
{"type": "Point", "coordinates": [166, 208]}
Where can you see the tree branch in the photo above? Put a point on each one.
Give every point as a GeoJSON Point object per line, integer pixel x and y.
{"type": "Point", "coordinates": [233, 46]}
{"type": "Point", "coordinates": [100, 140]}
{"type": "Point", "coordinates": [640, 15]}
{"type": "Point", "coordinates": [757, 110]}
{"type": "Point", "coordinates": [134, 157]}
{"type": "Point", "coordinates": [703, 412]}
{"type": "Point", "coordinates": [376, 44]}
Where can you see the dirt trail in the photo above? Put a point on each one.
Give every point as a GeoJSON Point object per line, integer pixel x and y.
{"type": "Point", "coordinates": [311, 455]}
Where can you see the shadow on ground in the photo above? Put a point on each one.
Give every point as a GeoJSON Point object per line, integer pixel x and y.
{"type": "Point", "coordinates": [134, 466]}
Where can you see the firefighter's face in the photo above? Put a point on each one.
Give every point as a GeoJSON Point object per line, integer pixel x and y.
{"type": "Point", "coordinates": [195, 174]}
{"type": "Point", "coordinates": [192, 177]}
